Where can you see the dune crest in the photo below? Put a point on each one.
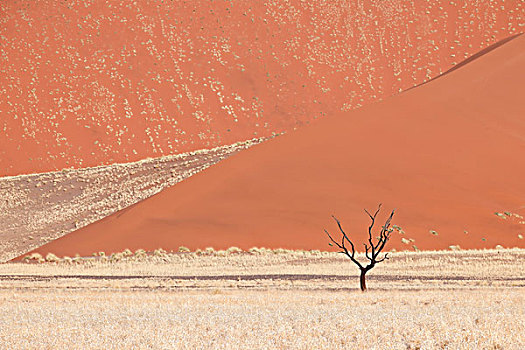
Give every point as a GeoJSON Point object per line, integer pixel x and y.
{"type": "Point", "coordinates": [446, 155]}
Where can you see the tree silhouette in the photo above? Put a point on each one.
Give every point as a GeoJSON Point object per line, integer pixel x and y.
{"type": "Point", "coordinates": [372, 250]}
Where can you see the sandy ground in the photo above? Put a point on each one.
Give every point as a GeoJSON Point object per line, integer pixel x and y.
{"type": "Point", "coordinates": [35, 209]}
{"type": "Point", "coordinates": [98, 82]}
{"type": "Point", "coordinates": [440, 154]}
{"type": "Point", "coordinates": [266, 299]}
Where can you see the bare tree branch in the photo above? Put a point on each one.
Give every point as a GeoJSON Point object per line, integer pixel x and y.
{"type": "Point", "coordinates": [344, 235]}
{"type": "Point", "coordinates": [372, 250]}
{"type": "Point", "coordinates": [384, 258]}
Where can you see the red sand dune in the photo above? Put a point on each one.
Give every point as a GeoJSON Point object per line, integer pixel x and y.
{"type": "Point", "coordinates": [447, 155]}
{"type": "Point", "coordinates": [95, 82]}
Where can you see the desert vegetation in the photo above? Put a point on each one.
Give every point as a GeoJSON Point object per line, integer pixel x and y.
{"type": "Point", "coordinates": [264, 298]}
{"type": "Point", "coordinates": [372, 250]}
{"type": "Point", "coordinates": [91, 91]}
{"type": "Point", "coordinates": [346, 54]}
{"type": "Point", "coordinates": [39, 208]}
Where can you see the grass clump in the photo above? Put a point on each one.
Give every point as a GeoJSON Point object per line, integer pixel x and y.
{"type": "Point", "coordinates": [280, 251]}
{"type": "Point", "coordinates": [159, 252]}
{"type": "Point", "coordinates": [35, 256]}
{"type": "Point", "coordinates": [234, 250]}
{"type": "Point", "coordinates": [50, 257]}
{"type": "Point", "coordinates": [127, 252]}
{"type": "Point", "coordinates": [221, 253]}
{"type": "Point", "coordinates": [255, 250]}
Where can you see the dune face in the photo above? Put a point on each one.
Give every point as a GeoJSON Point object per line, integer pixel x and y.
{"type": "Point", "coordinates": [39, 208]}
{"type": "Point", "coordinates": [447, 155]}
{"type": "Point", "coordinates": [91, 83]}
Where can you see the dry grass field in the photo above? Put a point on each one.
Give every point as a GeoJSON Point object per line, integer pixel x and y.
{"type": "Point", "coordinates": [38, 208]}
{"type": "Point", "coordinates": [265, 299]}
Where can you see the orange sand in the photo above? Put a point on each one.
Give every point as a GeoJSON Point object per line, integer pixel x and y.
{"type": "Point", "coordinates": [447, 155]}
{"type": "Point", "coordinates": [90, 83]}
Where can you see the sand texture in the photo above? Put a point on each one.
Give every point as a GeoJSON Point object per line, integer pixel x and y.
{"type": "Point", "coordinates": [38, 208]}
{"type": "Point", "coordinates": [446, 154]}
{"type": "Point", "coordinates": [99, 82]}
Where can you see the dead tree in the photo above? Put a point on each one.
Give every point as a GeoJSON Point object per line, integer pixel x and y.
{"type": "Point", "coordinates": [372, 250]}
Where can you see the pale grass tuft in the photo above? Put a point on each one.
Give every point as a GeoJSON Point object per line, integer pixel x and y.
{"type": "Point", "coordinates": [280, 251]}
{"type": "Point", "coordinates": [254, 250]}
{"type": "Point", "coordinates": [127, 252]}
{"type": "Point", "coordinates": [50, 257]}
{"type": "Point", "coordinates": [159, 252]}
{"type": "Point", "coordinates": [116, 257]}
{"type": "Point", "coordinates": [34, 256]}
{"type": "Point", "coordinates": [234, 250]}
{"type": "Point", "coordinates": [183, 249]}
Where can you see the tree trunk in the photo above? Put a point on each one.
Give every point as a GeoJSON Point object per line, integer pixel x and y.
{"type": "Point", "coordinates": [362, 280]}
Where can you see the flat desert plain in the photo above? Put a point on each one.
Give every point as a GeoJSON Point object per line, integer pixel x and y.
{"type": "Point", "coordinates": [265, 299]}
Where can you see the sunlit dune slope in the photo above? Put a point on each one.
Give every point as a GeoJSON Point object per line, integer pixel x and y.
{"type": "Point", "coordinates": [448, 155]}
{"type": "Point", "coordinates": [88, 83]}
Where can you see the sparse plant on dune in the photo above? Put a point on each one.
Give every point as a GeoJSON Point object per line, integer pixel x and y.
{"type": "Point", "coordinates": [127, 252]}
{"type": "Point", "coordinates": [234, 250]}
{"type": "Point", "coordinates": [35, 256]}
{"type": "Point", "coordinates": [50, 257]}
{"type": "Point", "coordinates": [372, 250]}
{"type": "Point", "coordinates": [159, 252]}
{"type": "Point", "coordinates": [140, 254]}
{"type": "Point", "coordinates": [255, 250]}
